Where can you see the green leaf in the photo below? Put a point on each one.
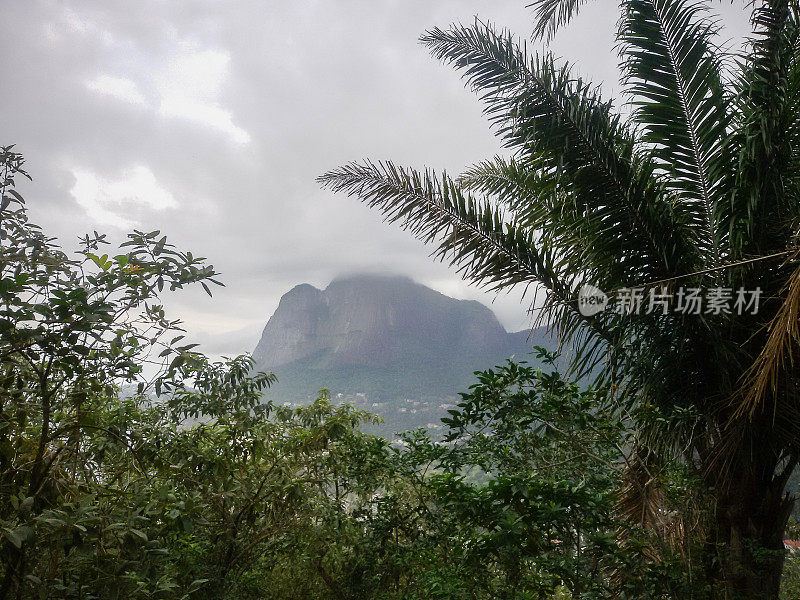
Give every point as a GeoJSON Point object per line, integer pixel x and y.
{"type": "Point", "coordinates": [20, 535]}
{"type": "Point", "coordinates": [139, 534]}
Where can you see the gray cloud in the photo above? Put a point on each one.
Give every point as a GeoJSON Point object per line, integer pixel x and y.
{"type": "Point", "coordinates": [224, 113]}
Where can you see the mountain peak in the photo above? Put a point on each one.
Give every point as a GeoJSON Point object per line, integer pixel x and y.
{"type": "Point", "coordinates": [303, 288]}
{"type": "Point", "coordinates": [384, 334]}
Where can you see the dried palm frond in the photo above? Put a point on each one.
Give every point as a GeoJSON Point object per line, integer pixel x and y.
{"type": "Point", "coordinates": [762, 378]}
{"type": "Point", "coordinates": [640, 497]}
{"type": "Point", "coordinates": [676, 525]}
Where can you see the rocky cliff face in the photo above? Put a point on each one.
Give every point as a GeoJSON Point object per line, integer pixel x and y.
{"type": "Point", "coordinates": [374, 320]}
{"type": "Point", "coordinates": [385, 337]}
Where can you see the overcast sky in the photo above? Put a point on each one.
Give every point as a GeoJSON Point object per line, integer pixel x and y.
{"type": "Point", "coordinates": [209, 120]}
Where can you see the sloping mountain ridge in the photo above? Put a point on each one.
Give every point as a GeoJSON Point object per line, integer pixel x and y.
{"type": "Point", "coordinates": [382, 340]}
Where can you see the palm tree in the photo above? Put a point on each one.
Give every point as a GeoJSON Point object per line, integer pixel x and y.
{"type": "Point", "coordinates": [696, 188]}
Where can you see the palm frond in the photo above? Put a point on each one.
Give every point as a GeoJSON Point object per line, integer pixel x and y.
{"type": "Point", "coordinates": [532, 195]}
{"type": "Point", "coordinates": [522, 184]}
{"type": "Point", "coordinates": [674, 77]}
{"type": "Point", "coordinates": [777, 357]}
{"type": "Point", "coordinates": [547, 115]}
{"type": "Point", "coordinates": [480, 240]}
{"type": "Point", "coordinates": [655, 342]}
{"type": "Point", "coordinates": [551, 15]}
{"type": "Point", "coordinates": [472, 235]}
{"type": "Point", "coordinates": [765, 202]}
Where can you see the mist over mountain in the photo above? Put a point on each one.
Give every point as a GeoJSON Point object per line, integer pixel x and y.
{"type": "Point", "coordinates": [383, 341]}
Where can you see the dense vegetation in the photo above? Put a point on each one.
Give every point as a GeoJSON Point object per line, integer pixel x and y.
{"type": "Point", "coordinates": [133, 467]}
{"type": "Point", "coordinates": [109, 492]}
{"type": "Point", "coordinates": [696, 188]}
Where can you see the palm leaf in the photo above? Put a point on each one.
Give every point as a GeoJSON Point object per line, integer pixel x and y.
{"type": "Point", "coordinates": [777, 357]}
{"type": "Point", "coordinates": [474, 236]}
{"type": "Point", "coordinates": [479, 240]}
{"type": "Point", "coordinates": [765, 201]}
{"type": "Point", "coordinates": [550, 15]}
{"type": "Point", "coordinates": [672, 73]}
{"type": "Point", "coordinates": [547, 115]}
{"type": "Point", "coordinates": [519, 183]}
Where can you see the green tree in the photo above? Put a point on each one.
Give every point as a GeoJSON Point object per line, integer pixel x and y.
{"type": "Point", "coordinates": [73, 328]}
{"type": "Point", "coordinates": [519, 501]}
{"type": "Point", "coordinates": [698, 188]}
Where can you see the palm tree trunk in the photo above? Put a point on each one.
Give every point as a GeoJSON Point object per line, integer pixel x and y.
{"type": "Point", "coordinates": [751, 519]}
